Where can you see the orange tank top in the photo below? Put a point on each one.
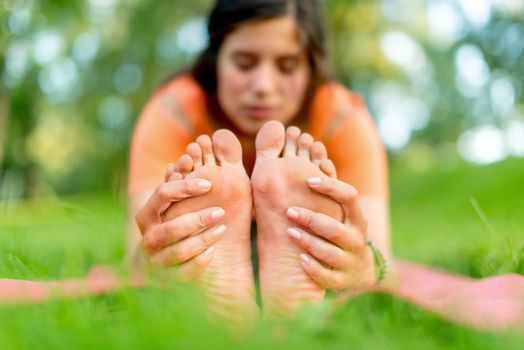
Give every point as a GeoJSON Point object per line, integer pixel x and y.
{"type": "Point", "coordinates": [177, 114]}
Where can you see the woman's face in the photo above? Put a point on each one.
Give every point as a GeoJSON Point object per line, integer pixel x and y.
{"type": "Point", "coordinates": [263, 73]}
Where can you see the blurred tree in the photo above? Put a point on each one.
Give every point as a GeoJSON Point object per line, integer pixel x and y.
{"type": "Point", "coordinates": [4, 100]}
{"type": "Point", "coordinates": [434, 71]}
{"type": "Point", "coordinates": [4, 115]}
{"type": "Point", "coordinates": [79, 72]}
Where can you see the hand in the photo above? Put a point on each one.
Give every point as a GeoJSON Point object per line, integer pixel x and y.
{"type": "Point", "coordinates": [338, 256]}
{"type": "Point", "coordinates": [185, 241]}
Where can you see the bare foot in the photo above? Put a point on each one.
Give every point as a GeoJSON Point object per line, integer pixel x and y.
{"type": "Point", "coordinates": [284, 162]}
{"type": "Point", "coordinates": [228, 281]}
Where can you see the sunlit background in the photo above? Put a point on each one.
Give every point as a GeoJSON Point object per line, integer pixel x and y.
{"type": "Point", "coordinates": [443, 79]}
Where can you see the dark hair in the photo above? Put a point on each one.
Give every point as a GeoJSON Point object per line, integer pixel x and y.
{"type": "Point", "coordinates": [228, 15]}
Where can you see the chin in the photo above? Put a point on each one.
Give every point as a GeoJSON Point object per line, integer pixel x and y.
{"type": "Point", "coordinates": [249, 129]}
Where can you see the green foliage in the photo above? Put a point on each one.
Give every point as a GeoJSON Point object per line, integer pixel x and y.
{"type": "Point", "coordinates": [55, 136]}
{"type": "Point", "coordinates": [121, 51]}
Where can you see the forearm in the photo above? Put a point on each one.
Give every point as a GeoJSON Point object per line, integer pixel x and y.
{"type": "Point", "coordinates": [134, 236]}
{"type": "Point", "coordinates": [376, 210]}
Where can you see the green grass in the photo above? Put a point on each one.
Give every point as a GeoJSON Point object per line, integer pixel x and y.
{"type": "Point", "coordinates": [468, 220]}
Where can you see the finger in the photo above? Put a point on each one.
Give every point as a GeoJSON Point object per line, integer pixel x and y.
{"type": "Point", "coordinates": [195, 151]}
{"type": "Point", "coordinates": [328, 168]}
{"type": "Point", "coordinates": [207, 149]}
{"type": "Point", "coordinates": [322, 250]}
{"type": "Point", "coordinates": [194, 268]}
{"type": "Point", "coordinates": [305, 141]}
{"type": "Point", "coordinates": [344, 194]}
{"type": "Point", "coordinates": [188, 248]}
{"type": "Point", "coordinates": [181, 227]}
{"type": "Point", "coordinates": [323, 276]}
{"type": "Point", "coordinates": [170, 170]}
{"type": "Point", "coordinates": [166, 194]}
{"type": "Point", "coordinates": [318, 153]}
{"type": "Point", "coordinates": [292, 134]}
{"type": "Point", "coordinates": [322, 225]}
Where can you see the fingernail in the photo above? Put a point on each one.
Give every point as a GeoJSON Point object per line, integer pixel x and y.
{"type": "Point", "coordinates": [314, 180]}
{"type": "Point", "coordinates": [294, 233]}
{"type": "Point", "coordinates": [204, 184]}
{"type": "Point", "coordinates": [305, 258]}
{"type": "Point", "coordinates": [219, 230]}
{"type": "Point", "coordinates": [292, 213]}
{"type": "Point", "coordinates": [218, 213]}
{"type": "Point", "coordinates": [209, 251]}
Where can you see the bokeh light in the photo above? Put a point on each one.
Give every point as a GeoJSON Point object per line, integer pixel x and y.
{"type": "Point", "coordinates": [484, 145]}
{"type": "Point", "coordinates": [442, 78]}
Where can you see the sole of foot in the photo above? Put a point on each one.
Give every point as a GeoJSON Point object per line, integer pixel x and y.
{"type": "Point", "coordinates": [227, 281]}
{"type": "Point", "coordinates": [285, 160]}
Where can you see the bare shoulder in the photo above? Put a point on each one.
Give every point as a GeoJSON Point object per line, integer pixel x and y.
{"type": "Point", "coordinates": [179, 98]}
{"type": "Point", "coordinates": [344, 104]}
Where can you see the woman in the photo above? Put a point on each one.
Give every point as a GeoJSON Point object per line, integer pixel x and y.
{"type": "Point", "coordinates": [265, 67]}
{"type": "Point", "coordinates": [200, 228]}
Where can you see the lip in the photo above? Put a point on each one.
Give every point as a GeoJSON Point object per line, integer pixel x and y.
{"type": "Point", "coordinates": [260, 112]}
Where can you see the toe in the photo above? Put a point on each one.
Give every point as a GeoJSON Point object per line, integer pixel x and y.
{"type": "Point", "coordinates": [318, 153]}
{"type": "Point", "coordinates": [184, 164]}
{"type": "Point", "coordinates": [195, 151]}
{"type": "Point", "coordinates": [207, 149]}
{"type": "Point", "coordinates": [170, 169]}
{"type": "Point", "coordinates": [270, 140]}
{"type": "Point", "coordinates": [227, 147]}
{"type": "Point", "coordinates": [305, 141]}
{"type": "Point", "coordinates": [175, 177]}
{"type": "Point", "coordinates": [328, 168]}
{"type": "Point", "coordinates": [292, 134]}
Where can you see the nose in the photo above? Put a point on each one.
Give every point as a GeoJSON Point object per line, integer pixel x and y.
{"type": "Point", "coordinates": [264, 80]}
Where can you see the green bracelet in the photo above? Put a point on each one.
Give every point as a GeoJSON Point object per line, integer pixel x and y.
{"type": "Point", "coordinates": [380, 263]}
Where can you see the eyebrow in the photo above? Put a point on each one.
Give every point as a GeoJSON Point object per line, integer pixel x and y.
{"type": "Point", "coordinates": [240, 52]}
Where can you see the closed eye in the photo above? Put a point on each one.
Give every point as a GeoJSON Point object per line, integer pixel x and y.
{"type": "Point", "coordinates": [288, 65]}
{"type": "Point", "coordinates": [244, 61]}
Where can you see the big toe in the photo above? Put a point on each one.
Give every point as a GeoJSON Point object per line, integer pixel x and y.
{"type": "Point", "coordinates": [227, 147]}
{"type": "Point", "coordinates": [270, 140]}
